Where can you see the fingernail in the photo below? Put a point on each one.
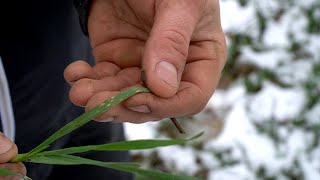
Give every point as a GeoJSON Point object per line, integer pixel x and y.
{"type": "Point", "coordinates": [140, 108]}
{"type": "Point", "coordinates": [5, 144]}
{"type": "Point", "coordinates": [168, 73]}
{"type": "Point", "coordinates": [109, 119]}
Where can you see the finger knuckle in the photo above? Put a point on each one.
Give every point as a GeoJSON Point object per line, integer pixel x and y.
{"type": "Point", "coordinates": [221, 46]}
{"type": "Point", "coordinates": [75, 70]}
{"type": "Point", "coordinates": [175, 42]}
{"type": "Point", "coordinates": [81, 91]}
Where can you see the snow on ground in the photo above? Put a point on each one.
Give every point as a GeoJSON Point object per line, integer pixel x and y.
{"type": "Point", "coordinates": [246, 23]}
{"type": "Point", "coordinates": [140, 131]}
{"type": "Point", "coordinates": [275, 102]}
{"type": "Point", "coordinates": [314, 114]}
{"type": "Point", "coordinates": [273, 107]}
{"type": "Point", "coordinates": [267, 59]}
{"type": "Point", "coordinates": [181, 159]}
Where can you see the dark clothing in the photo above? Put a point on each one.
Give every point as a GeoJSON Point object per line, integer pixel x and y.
{"type": "Point", "coordinates": [38, 39]}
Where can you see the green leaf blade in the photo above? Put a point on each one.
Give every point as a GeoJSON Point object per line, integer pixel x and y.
{"type": "Point", "coordinates": [6, 172]}
{"type": "Point", "coordinates": [83, 119]}
{"type": "Point", "coordinates": [67, 160]}
{"type": "Point", "coordinates": [62, 157]}
{"type": "Point", "coordinates": [127, 167]}
{"type": "Point", "coordinates": [123, 146]}
{"type": "Point", "coordinates": [117, 146]}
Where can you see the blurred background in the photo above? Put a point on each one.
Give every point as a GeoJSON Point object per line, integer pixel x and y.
{"type": "Point", "coordinates": [263, 122]}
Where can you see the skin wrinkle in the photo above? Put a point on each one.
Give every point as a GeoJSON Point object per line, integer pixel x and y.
{"type": "Point", "coordinates": [133, 25]}
{"type": "Point", "coordinates": [137, 18]}
{"type": "Point", "coordinates": [196, 36]}
{"type": "Point", "coordinates": [113, 59]}
{"type": "Point", "coordinates": [101, 70]}
{"type": "Point", "coordinates": [202, 55]}
{"type": "Point", "coordinates": [4, 138]}
{"type": "Point", "coordinates": [79, 86]}
{"type": "Point", "coordinates": [218, 46]}
{"type": "Point", "coordinates": [177, 96]}
{"type": "Point", "coordinates": [194, 106]}
{"type": "Point", "coordinates": [177, 43]}
{"type": "Point", "coordinates": [212, 55]}
{"type": "Point", "coordinates": [198, 85]}
{"type": "Point", "coordinates": [11, 153]}
{"type": "Point", "coordinates": [155, 111]}
{"type": "Point", "coordinates": [119, 38]}
{"type": "Point", "coordinates": [127, 79]}
{"type": "Point", "coordinates": [144, 18]}
{"type": "Point", "coordinates": [112, 25]}
{"type": "Point", "coordinates": [120, 16]}
{"type": "Point", "coordinates": [183, 40]}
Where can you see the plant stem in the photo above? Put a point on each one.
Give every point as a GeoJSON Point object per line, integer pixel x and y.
{"type": "Point", "coordinates": [174, 121]}
{"type": "Point", "coordinates": [177, 125]}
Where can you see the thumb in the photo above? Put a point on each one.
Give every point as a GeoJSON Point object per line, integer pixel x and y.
{"type": "Point", "coordinates": [8, 150]}
{"type": "Point", "coordinates": [166, 50]}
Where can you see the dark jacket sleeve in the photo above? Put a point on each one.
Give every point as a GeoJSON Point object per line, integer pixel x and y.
{"type": "Point", "coordinates": [83, 7]}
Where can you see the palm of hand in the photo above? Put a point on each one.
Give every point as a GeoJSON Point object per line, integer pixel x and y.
{"type": "Point", "coordinates": [128, 35]}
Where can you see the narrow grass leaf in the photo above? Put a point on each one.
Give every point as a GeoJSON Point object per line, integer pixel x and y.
{"type": "Point", "coordinates": [123, 145]}
{"type": "Point", "coordinates": [68, 160]}
{"type": "Point", "coordinates": [127, 167]}
{"type": "Point", "coordinates": [118, 146]}
{"type": "Point", "coordinates": [6, 172]}
{"type": "Point", "coordinates": [195, 136]}
{"type": "Point", "coordinates": [62, 157]}
{"type": "Point", "coordinates": [156, 175]}
{"type": "Point", "coordinates": [83, 119]}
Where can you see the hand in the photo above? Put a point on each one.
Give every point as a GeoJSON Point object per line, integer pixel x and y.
{"type": "Point", "coordinates": [179, 45]}
{"type": "Point", "coordinates": [8, 151]}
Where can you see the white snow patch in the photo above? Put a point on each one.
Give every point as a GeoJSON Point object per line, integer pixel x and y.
{"type": "Point", "coordinates": [268, 8]}
{"type": "Point", "coordinates": [265, 59]}
{"type": "Point", "coordinates": [313, 47]}
{"type": "Point", "coordinates": [310, 172]}
{"type": "Point", "coordinates": [251, 148]}
{"type": "Point", "coordinates": [239, 172]}
{"type": "Point", "coordinates": [237, 126]}
{"type": "Point", "coordinates": [183, 159]}
{"type": "Point", "coordinates": [140, 131]}
{"type": "Point", "coordinates": [306, 3]}
{"type": "Point", "coordinates": [238, 19]}
{"type": "Point", "coordinates": [313, 116]}
{"type": "Point", "coordinates": [208, 160]}
{"type": "Point", "coordinates": [225, 98]}
{"type": "Point", "coordinates": [295, 72]}
{"type": "Point", "coordinates": [276, 102]}
{"type": "Point", "coordinates": [276, 35]}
